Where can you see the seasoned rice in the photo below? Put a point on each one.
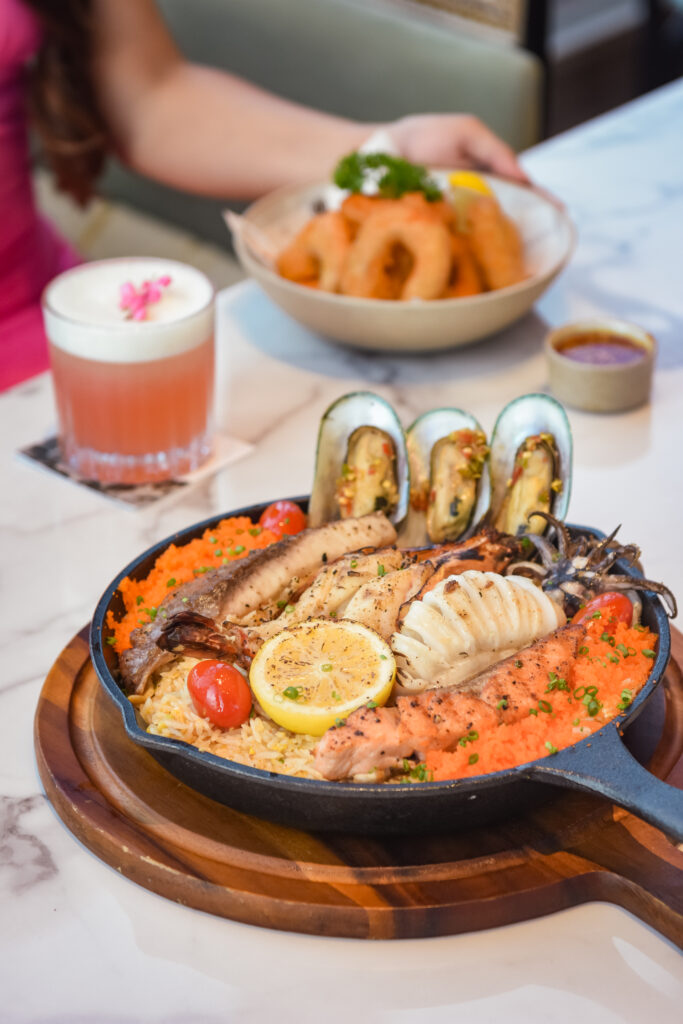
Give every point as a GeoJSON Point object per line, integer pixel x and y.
{"type": "Point", "coordinates": [168, 711]}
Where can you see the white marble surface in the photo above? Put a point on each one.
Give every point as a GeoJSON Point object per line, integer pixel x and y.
{"type": "Point", "coordinates": [78, 942]}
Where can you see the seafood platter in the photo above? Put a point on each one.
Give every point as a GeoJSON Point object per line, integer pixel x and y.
{"type": "Point", "coordinates": [421, 645]}
{"type": "Point", "coordinates": [391, 256]}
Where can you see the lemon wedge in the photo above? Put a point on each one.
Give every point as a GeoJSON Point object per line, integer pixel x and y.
{"type": "Point", "coordinates": [470, 180]}
{"type": "Point", "coordinates": [314, 674]}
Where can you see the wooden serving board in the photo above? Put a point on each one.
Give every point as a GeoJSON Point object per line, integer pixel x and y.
{"type": "Point", "coordinates": [166, 837]}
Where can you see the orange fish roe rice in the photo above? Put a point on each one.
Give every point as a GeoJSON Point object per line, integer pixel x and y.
{"type": "Point", "coordinates": [608, 673]}
{"type": "Point", "coordinates": [230, 540]}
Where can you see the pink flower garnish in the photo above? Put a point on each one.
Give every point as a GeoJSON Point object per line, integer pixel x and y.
{"type": "Point", "coordinates": [135, 300]}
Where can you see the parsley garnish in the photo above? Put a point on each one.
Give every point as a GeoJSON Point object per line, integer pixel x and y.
{"type": "Point", "coordinates": [396, 176]}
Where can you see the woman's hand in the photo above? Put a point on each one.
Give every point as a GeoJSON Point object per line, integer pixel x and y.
{"type": "Point", "coordinates": [454, 140]}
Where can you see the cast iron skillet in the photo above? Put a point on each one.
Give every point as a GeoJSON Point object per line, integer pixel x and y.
{"type": "Point", "coordinates": [600, 763]}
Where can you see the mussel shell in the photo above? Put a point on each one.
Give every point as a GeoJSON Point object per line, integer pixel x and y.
{"type": "Point", "coordinates": [421, 437]}
{"type": "Point", "coordinates": [340, 420]}
{"type": "Point", "coordinates": [523, 417]}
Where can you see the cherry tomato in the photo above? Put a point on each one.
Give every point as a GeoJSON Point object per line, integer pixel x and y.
{"type": "Point", "coordinates": [283, 517]}
{"type": "Point", "coordinates": [613, 608]}
{"type": "Point", "coordinates": [220, 693]}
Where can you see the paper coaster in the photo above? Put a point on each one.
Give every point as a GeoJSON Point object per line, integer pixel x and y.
{"type": "Point", "coordinates": [47, 455]}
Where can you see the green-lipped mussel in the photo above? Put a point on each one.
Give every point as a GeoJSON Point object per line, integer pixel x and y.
{"type": "Point", "coordinates": [361, 461]}
{"type": "Point", "coordinates": [449, 482]}
{"type": "Point", "coordinates": [531, 453]}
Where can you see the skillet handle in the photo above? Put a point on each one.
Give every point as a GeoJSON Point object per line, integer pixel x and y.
{"type": "Point", "coordinates": [607, 769]}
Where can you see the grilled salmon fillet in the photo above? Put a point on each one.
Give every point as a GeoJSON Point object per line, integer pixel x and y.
{"type": "Point", "coordinates": [377, 739]}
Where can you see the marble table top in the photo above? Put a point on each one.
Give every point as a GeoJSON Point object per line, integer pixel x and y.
{"type": "Point", "coordinates": [78, 942]}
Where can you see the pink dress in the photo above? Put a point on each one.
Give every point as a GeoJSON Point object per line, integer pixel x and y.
{"type": "Point", "coordinates": [30, 251]}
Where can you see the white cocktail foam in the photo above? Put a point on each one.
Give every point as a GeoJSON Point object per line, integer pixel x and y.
{"type": "Point", "coordinates": [82, 311]}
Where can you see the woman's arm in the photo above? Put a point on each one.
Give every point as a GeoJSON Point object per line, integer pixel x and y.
{"type": "Point", "coordinates": [209, 132]}
{"type": "Point", "coordinates": [198, 128]}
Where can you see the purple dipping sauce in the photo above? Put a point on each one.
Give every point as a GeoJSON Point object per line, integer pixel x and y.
{"type": "Point", "coordinates": [601, 349]}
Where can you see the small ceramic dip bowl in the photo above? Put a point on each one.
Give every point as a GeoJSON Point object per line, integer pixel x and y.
{"type": "Point", "coordinates": [601, 365]}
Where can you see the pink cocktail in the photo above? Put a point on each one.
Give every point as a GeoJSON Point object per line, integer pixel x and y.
{"type": "Point", "coordinates": [134, 396]}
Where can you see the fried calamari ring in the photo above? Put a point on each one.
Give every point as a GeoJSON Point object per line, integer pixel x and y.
{"type": "Point", "coordinates": [426, 241]}
{"type": "Point", "coordinates": [465, 277]}
{"type": "Point", "coordinates": [318, 253]}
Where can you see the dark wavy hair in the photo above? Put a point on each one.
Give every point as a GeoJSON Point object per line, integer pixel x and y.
{"type": "Point", "coordinates": [63, 103]}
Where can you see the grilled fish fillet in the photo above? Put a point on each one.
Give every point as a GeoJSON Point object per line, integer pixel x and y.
{"type": "Point", "coordinates": [466, 623]}
{"type": "Point", "coordinates": [254, 584]}
{"type": "Point", "coordinates": [377, 739]}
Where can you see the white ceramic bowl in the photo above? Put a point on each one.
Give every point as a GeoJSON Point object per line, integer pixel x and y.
{"type": "Point", "coordinates": [417, 326]}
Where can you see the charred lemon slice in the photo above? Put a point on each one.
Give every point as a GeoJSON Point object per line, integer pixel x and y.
{"type": "Point", "coordinates": [313, 675]}
{"type": "Point", "coordinates": [468, 179]}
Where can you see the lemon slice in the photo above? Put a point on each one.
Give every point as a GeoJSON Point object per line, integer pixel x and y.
{"type": "Point", "coordinates": [470, 180]}
{"type": "Point", "coordinates": [317, 672]}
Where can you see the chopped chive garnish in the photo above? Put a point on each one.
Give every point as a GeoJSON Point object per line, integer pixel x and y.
{"type": "Point", "coordinates": [648, 653]}
{"type": "Point", "coordinates": [626, 699]}
{"type": "Point", "coordinates": [340, 721]}
{"type": "Point", "coordinates": [518, 663]}
{"type": "Point", "coordinates": [583, 650]}
{"type": "Point", "coordinates": [381, 571]}
{"type": "Point", "coordinates": [354, 563]}
{"type": "Point", "coordinates": [185, 600]}
{"type": "Point", "coordinates": [289, 608]}
{"type": "Point", "coordinates": [533, 711]}
{"type": "Point", "coordinates": [239, 549]}
{"type": "Point", "coordinates": [218, 552]}
{"type": "Point", "coordinates": [545, 706]}
{"type": "Point", "coordinates": [383, 657]}
{"type": "Point", "coordinates": [213, 540]}
{"type": "Point", "coordinates": [255, 531]}
{"type": "Point", "coordinates": [292, 692]}
{"type": "Point", "coordinates": [550, 747]}
{"type": "Point", "coordinates": [281, 604]}
{"type": "Point", "coordinates": [139, 599]}
{"type": "Point", "coordinates": [111, 640]}
{"type": "Point", "coordinates": [596, 615]}
{"type": "Point", "coordinates": [502, 703]}
{"type": "Point", "coordinates": [171, 582]}
{"type": "Point", "coordinates": [473, 758]}
{"type": "Point", "coordinates": [326, 668]}
{"type": "Point", "coordinates": [371, 704]}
